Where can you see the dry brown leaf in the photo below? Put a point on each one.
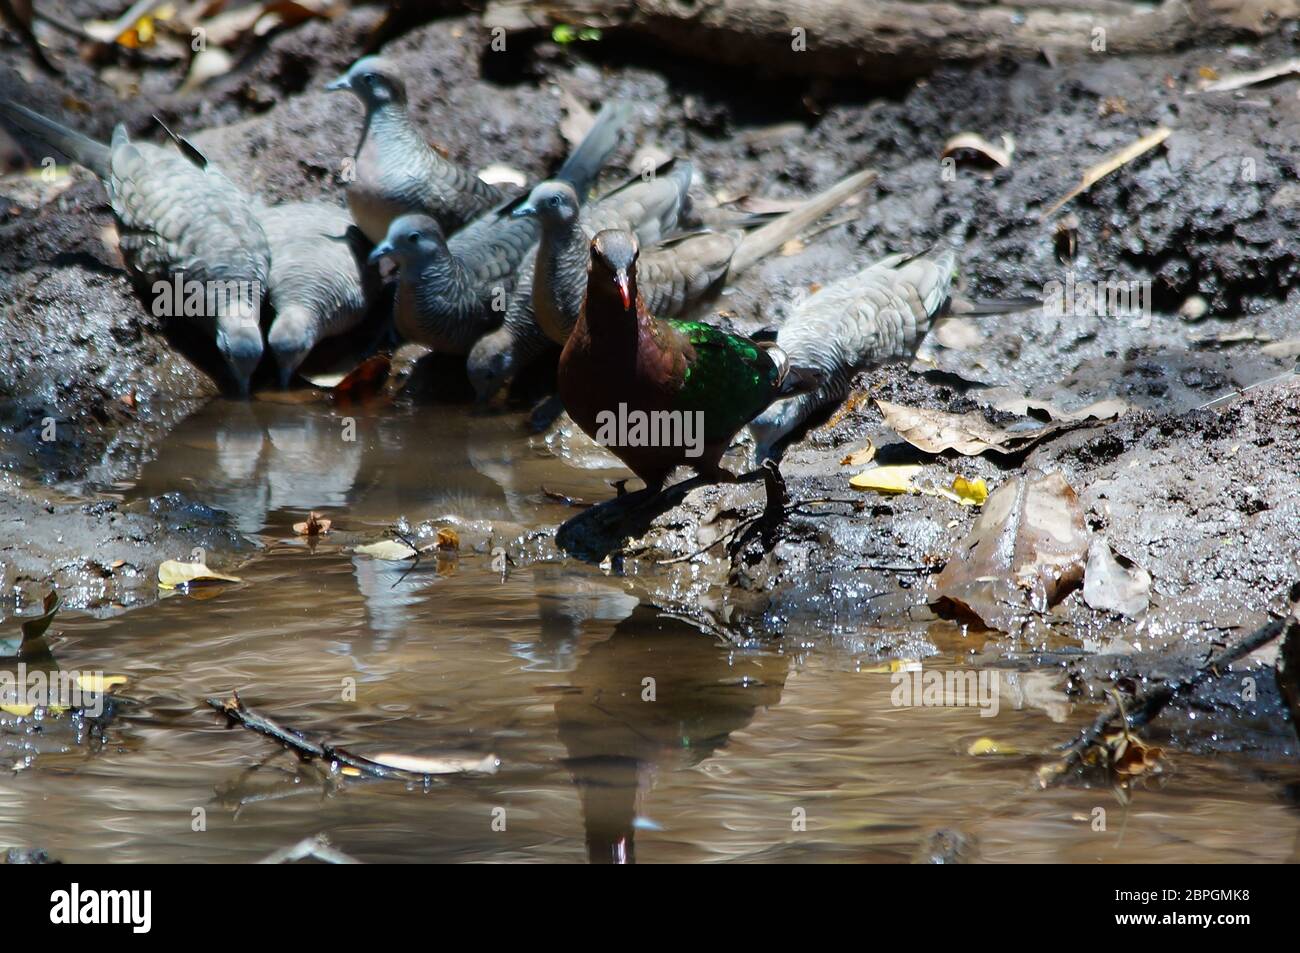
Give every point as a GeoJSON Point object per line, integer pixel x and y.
{"type": "Point", "coordinates": [1025, 553]}
{"type": "Point", "coordinates": [316, 525]}
{"type": "Point", "coordinates": [447, 539]}
{"type": "Point", "coordinates": [1130, 756]}
{"type": "Point", "coordinates": [935, 431]}
{"type": "Point", "coordinates": [577, 121]}
{"type": "Point", "coordinates": [860, 457]}
{"type": "Point", "coordinates": [1113, 583]}
{"type": "Point", "coordinates": [364, 383]}
{"type": "Point", "coordinates": [1105, 167]}
{"type": "Point", "coordinates": [501, 174]}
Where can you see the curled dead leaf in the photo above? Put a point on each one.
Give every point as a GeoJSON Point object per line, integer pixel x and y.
{"type": "Point", "coordinates": [968, 143]}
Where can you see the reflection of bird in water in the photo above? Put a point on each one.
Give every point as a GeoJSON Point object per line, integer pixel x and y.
{"type": "Point", "coordinates": [568, 600]}
{"type": "Point", "coordinates": [390, 591]}
{"type": "Point", "coordinates": [616, 737]}
{"type": "Point", "coordinates": [310, 464]}
{"type": "Point", "coordinates": [267, 460]}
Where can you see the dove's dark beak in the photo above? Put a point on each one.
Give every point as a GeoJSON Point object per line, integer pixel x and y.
{"type": "Point", "coordinates": [341, 83]}
{"type": "Point", "coordinates": [523, 211]}
{"type": "Point", "coordinates": [382, 251]}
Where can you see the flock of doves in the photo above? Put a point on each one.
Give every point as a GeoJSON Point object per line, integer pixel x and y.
{"type": "Point", "coordinates": [502, 280]}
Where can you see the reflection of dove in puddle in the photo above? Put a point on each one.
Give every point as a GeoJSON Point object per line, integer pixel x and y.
{"type": "Point", "coordinates": [567, 603]}
{"type": "Point", "coordinates": [618, 739]}
{"type": "Point", "coordinates": [390, 598]}
{"type": "Point", "coordinates": [310, 464]}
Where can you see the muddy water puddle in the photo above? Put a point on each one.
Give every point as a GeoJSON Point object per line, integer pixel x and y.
{"type": "Point", "coordinates": [790, 751]}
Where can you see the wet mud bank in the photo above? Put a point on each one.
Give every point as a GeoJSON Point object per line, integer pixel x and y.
{"type": "Point", "coordinates": [1208, 225]}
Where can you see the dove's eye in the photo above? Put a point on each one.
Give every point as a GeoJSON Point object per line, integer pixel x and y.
{"type": "Point", "coordinates": [413, 237]}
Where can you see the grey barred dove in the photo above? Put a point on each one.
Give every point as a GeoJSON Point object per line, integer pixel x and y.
{"type": "Point", "coordinates": [397, 173]}
{"type": "Point", "coordinates": [179, 218]}
{"type": "Point", "coordinates": [320, 284]}
{"type": "Point", "coordinates": [876, 316]}
{"type": "Point", "coordinates": [673, 274]}
{"type": "Point", "coordinates": [649, 206]}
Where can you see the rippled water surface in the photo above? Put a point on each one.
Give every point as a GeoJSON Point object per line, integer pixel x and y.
{"type": "Point", "coordinates": [789, 752]}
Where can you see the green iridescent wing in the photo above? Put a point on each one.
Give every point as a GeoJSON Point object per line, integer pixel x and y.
{"type": "Point", "coordinates": [731, 379]}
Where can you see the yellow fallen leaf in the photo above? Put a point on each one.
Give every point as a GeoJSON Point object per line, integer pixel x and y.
{"type": "Point", "coordinates": [860, 457]}
{"type": "Point", "coordinates": [448, 539]}
{"type": "Point", "coordinates": [99, 684]}
{"type": "Point", "coordinates": [970, 492]}
{"type": "Point", "coordinates": [890, 479]}
{"type": "Point", "coordinates": [987, 746]}
{"type": "Point", "coordinates": [173, 573]}
{"type": "Point", "coordinates": [893, 666]}
{"type": "Point", "coordinates": [350, 771]}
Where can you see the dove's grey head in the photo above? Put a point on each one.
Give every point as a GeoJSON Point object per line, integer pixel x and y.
{"type": "Point", "coordinates": [554, 202]}
{"type": "Point", "coordinates": [291, 338]}
{"type": "Point", "coordinates": [373, 80]}
{"type": "Point", "coordinates": [240, 343]}
{"type": "Point", "coordinates": [491, 363]}
{"type": "Point", "coordinates": [611, 276]}
{"type": "Point", "coordinates": [411, 241]}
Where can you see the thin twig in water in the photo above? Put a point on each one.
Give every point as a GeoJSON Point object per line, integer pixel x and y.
{"type": "Point", "coordinates": [238, 713]}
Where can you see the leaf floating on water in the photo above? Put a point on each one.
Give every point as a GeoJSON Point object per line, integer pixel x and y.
{"type": "Point", "coordinates": [34, 629]}
{"type": "Point", "coordinates": [172, 574]}
{"type": "Point", "coordinates": [890, 479]}
{"type": "Point", "coordinates": [440, 764]}
{"type": "Point", "coordinates": [982, 747]}
{"type": "Point", "coordinates": [448, 539]}
{"type": "Point", "coordinates": [860, 457]}
{"type": "Point", "coordinates": [387, 549]}
{"type": "Point", "coordinates": [31, 635]}
{"type": "Point", "coordinates": [1108, 165]}
{"type": "Point", "coordinates": [893, 666]}
{"type": "Point", "coordinates": [1130, 756]}
{"type": "Point", "coordinates": [316, 525]}
{"type": "Point", "coordinates": [99, 684]}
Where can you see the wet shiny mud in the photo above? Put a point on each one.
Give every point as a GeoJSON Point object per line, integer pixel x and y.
{"type": "Point", "coordinates": [622, 733]}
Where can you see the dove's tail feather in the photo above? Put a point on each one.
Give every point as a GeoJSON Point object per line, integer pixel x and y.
{"type": "Point", "coordinates": [583, 166]}
{"type": "Point", "coordinates": [987, 307]}
{"type": "Point", "coordinates": [81, 149]}
{"type": "Point", "coordinates": [768, 238]}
